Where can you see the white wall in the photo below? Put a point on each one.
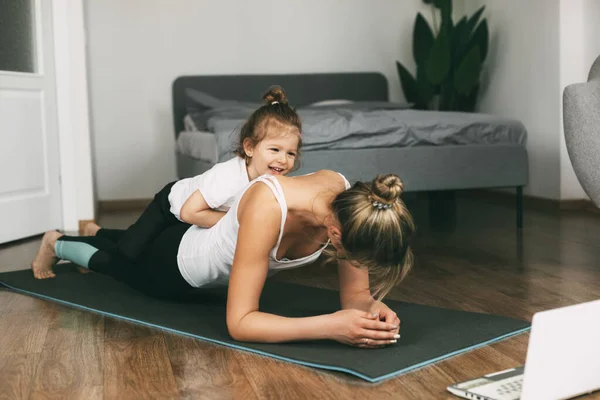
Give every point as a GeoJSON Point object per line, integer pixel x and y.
{"type": "Point", "coordinates": [591, 30]}
{"type": "Point", "coordinates": [521, 81]}
{"type": "Point", "coordinates": [538, 47]}
{"type": "Point", "coordinates": [138, 47]}
{"type": "Point", "coordinates": [573, 69]}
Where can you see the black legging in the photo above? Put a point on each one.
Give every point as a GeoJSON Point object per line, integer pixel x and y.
{"type": "Point", "coordinates": [155, 273]}
{"type": "Point", "coordinates": [133, 242]}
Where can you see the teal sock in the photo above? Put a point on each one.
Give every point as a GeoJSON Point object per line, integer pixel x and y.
{"type": "Point", "coordinates": [77, 252]}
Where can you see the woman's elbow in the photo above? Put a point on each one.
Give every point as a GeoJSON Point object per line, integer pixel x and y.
{"type": "Point", "coordinates": [240, 328]}
{"type": "Point", "coordinates": [235, 335]}
{"type": "Point", "coordinates": [235, 332]}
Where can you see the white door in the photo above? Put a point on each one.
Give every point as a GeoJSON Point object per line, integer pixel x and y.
{"type": "Point", "coordinates": [30, 200]}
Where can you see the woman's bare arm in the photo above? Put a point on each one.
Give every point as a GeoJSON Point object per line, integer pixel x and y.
{"type": "Point", "coordinates": [260, 221]}
{"type": "Point", "coordinates": [196, 211]}
{"type": "Point", "coordinates": [354, 287]}
{"type": "Point", "coordinates": [355, 293]}
{"type": "Point", "coordinates": [259, 215]}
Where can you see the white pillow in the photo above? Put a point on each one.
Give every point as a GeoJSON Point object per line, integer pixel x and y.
{"type": "Point", "coordinates": [204, 99]}
{"type": "Point", "coordinates": [332, 102]}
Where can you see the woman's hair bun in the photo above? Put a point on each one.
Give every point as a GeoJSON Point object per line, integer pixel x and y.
{"type": "Point", "coordinates": [387, 187]}
{"type": "Point", "coordinates": [275, 93]}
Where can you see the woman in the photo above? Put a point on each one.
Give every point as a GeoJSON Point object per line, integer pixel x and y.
{"type": "Point", "coordinates": [276, 223]}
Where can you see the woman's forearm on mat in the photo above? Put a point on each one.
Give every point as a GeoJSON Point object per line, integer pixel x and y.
{"type": "Point", "coordinates": [359, 301]}
{"type": "Point", "coordinates": [270, 328]}
{"type": "Point", "coordinates": [204, 218]}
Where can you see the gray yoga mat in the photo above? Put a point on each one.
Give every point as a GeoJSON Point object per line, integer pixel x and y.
{"type": "Point", "coordinates": [429, 334]}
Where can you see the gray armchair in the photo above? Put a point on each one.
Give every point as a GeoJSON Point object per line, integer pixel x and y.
{"type": "Point", "coordinates": [581, 119]}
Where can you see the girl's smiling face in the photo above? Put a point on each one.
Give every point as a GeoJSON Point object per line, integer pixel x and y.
{"type": "Point", "coordinates": [275, 154]}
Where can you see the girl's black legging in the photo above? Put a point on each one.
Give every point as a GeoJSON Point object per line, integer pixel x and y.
{"type": "Point", "coordinates": [155, 219]}
{"type": "Point", "coordinates": [155, 273]}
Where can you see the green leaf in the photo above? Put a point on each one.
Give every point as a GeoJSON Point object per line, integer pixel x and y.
{"type": "Point", "coordinates": [461, 24]}
{"type": "Point", "coordinates": [424, 88]}
{"type": "Point", "coordinates": [480, 38]}
{"type": "Point", "coordinates": [460, 39]}
{"type": "Point", "coordinates": [467, 103]}
{"type": "Point", "coordinates": [422, 40]}
{"type": "Point", "coordinates": [474, 19]}
{"type": "Point", "coordinates": [408, 83]}
{"type": "Point", "coordinates": [438, 62]}
{"type": "Point", "coordinates": [445, 7]}
{"type": "Point", "coordinates": [466, 76]}
{"type": "Point", "coordinates": [446, 97]}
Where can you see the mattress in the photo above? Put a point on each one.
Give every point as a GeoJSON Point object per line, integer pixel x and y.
{"type": "Point", "coordinates": [345, 129]}
{"type": "Point", "coordinates": [420, 167]}
{"type": "Point", "coordinates": [199, 145]}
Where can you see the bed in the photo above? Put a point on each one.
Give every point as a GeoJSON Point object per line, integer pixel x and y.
{"type": "Point", "coordinates": [430, 151]}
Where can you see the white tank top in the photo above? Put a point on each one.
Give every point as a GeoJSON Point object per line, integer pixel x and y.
{"type": "Point", "coordinates": [205, 256]}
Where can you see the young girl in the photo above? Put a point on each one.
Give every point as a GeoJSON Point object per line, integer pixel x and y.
{"type": "Point", "coordinates": [276, 223]}
{"type": "Point", "coordinates": [269, 143]}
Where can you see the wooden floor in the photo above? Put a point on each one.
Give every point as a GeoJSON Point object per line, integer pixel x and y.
{"type": "Point", "coordinates": [52, 351]}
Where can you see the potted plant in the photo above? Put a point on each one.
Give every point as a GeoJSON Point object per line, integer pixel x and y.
{"type": "Point", "coordinates": [449, 60]}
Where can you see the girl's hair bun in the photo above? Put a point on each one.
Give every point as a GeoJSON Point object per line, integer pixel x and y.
{"type": "Point", "coordinates": [275, 93]}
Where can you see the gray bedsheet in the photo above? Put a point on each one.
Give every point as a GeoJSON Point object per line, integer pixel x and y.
{"type": "Point", "coordinates": [364, 126]}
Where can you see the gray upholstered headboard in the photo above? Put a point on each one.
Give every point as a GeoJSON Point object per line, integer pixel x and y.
{"type": "Point", "coordinates": [301, 89]}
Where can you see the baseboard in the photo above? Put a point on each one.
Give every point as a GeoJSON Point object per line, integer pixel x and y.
{"type": "Point", "coordinates": [83, 223]}
{"type": "Point", "coordinates": [498, 197]}
{"type": "Point", "coordinates": [123, 205]}
{"type": "Point", "coordinates": [584, 205]}
{"type": "Point", "coordinates": [532, 202]}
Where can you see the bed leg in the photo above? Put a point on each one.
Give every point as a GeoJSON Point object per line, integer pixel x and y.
{"type": "Point", "coordinates": [442, 210]}
{"type": "Point", "coordinates": [519, 207]}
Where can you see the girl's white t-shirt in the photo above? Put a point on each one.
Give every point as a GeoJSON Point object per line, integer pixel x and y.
{"type": "Point", "coordinates": [219, 186]}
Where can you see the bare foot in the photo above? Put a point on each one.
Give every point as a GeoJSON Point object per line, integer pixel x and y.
{"type": "Point", "coordinates": [46, 257]}
{"type": "Point", "coordinates": [83, 270]}
{"type": "Point", "coordinates": [90, 229]}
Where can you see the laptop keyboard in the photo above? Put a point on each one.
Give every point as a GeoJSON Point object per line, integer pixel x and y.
{"type": "Point", "coordinates": [505, 389]}
{"type": "Point", "coordinates": [510, 387]}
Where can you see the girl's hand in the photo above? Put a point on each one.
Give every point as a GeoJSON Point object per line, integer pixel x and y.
{"type": "Point", "coordinates": [386, 315]}
{"type": "Point", "coordinates": [363, 329]}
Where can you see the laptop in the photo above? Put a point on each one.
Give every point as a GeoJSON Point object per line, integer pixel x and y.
{"type": "Point", "coordinates": [563, 360]}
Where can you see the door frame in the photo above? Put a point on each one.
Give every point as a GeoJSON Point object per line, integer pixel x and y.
{"type": "Point", "coordinates": [77, 185]}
